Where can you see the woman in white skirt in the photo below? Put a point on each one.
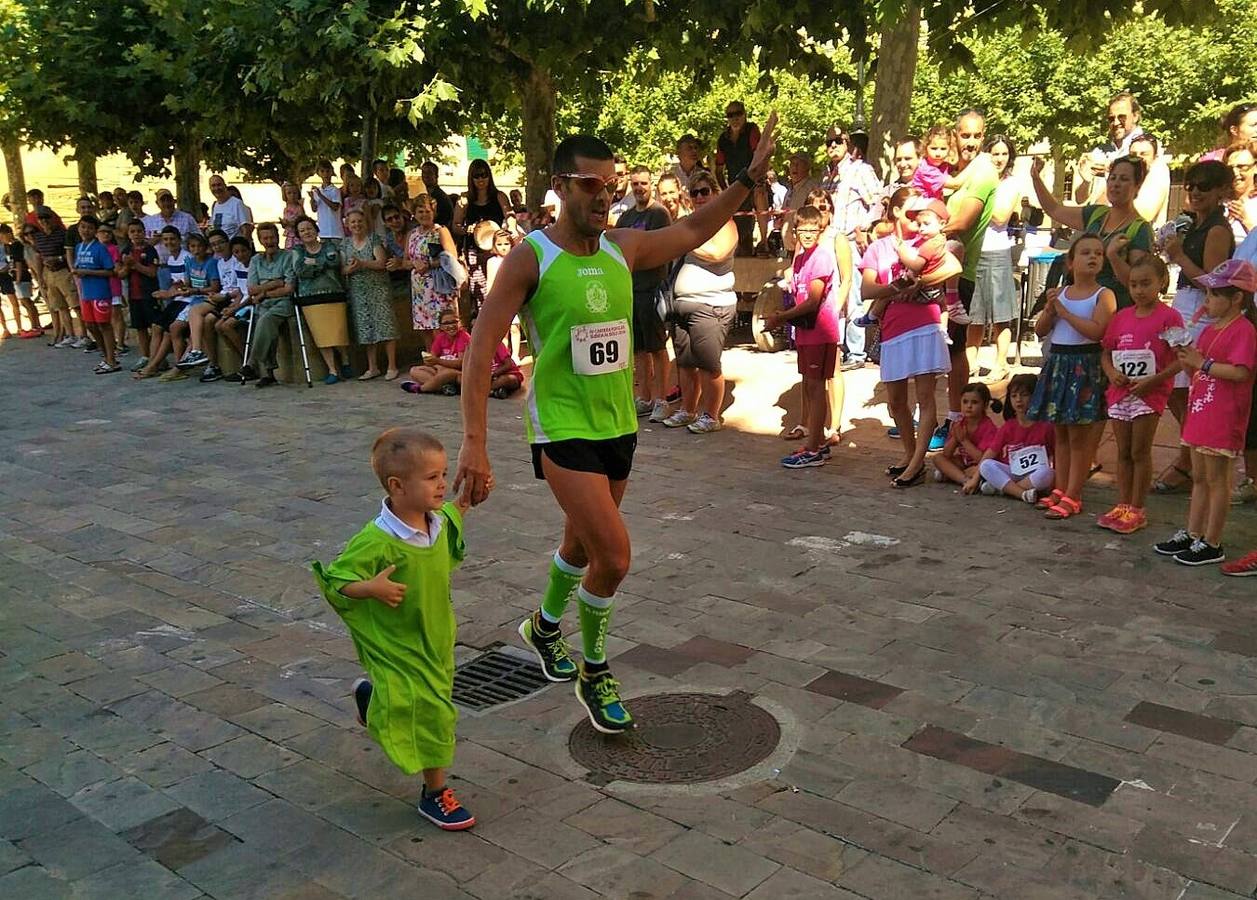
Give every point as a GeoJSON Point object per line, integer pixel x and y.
{"type": "Point", "coordinates": [914, 347]}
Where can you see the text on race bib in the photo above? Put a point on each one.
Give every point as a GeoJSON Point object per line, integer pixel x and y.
{"type": "Point", "coordinates": [601, 347]}
{"type": "Point", "coordinates": [1135, 363]}
{"type": "Point", "coordinates": [1026, 460]}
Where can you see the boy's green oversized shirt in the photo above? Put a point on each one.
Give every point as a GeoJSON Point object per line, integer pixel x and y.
{"type": "Point", "coordinates": [407, 650]}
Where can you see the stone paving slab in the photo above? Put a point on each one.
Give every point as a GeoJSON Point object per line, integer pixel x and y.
{"type": "Point", "coordinates": [985, 704]}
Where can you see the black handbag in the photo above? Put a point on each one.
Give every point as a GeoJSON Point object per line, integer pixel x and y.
{"type": "Point", "coordinates": [665, 293]}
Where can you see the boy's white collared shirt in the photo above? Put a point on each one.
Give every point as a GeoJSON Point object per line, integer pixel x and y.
{"type": "Point", "coordinates": [388, 522]}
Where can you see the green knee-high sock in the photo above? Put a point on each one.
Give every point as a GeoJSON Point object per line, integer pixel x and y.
{"type": "Point", "coordinates": [595, 619]}
{"type": "Point", "coordinates": [564, 577]}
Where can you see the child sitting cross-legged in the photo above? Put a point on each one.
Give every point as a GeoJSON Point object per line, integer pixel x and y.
{"type": "Point", "coordinates": [442, 369]}
{"type": "Point", "coordinates": [968, 438]}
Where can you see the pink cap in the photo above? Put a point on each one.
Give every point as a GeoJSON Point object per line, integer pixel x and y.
{"type": "Point", "coordinates": [1235, 273]}
{"type": "Point", "coordinates": [921, 204]}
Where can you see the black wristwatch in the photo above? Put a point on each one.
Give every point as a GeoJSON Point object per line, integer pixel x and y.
{"type": "Point", "coordinates": [743, 178]}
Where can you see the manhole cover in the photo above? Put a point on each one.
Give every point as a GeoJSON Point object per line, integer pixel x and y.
{"type": "Point", "coordinates": [679, 739]}
{"type": "Point", "coordinates": [496, 677]}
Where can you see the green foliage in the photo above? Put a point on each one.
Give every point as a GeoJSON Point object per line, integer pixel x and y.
{"type": "Point", "coordinates": [1054, 87]}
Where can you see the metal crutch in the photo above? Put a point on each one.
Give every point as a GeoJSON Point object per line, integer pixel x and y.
{"type": "Point", "coordinates": [248, 339]}
{"type": "Point", "coordinates": [301, 338]}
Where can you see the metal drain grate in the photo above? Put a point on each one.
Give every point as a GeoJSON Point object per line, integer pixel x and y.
{"type": "Point", "coordinates": [496, 677]}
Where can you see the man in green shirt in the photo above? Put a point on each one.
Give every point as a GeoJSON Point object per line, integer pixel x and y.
{"type": "Point", "coordinates": [970, 211]}
{"type": "Point", "coordinates": [571, 285]}
{"type": "Point", "coordinates": [271, 284]}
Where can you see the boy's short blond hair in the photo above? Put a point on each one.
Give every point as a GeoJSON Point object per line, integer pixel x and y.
{"type": "Point", "coordinates": [397, 451]}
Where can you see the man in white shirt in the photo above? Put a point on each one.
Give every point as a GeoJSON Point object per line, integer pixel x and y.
{"type": "Point", "coordinates": [688, 151]}
{"type": "Point", "coordinates": [1153, 200]}
{"type": "Point", "coordinates": [325, 202]}
{"type": "Point", "coordinates": [229, 212]}
{"type": "Point", "coordinates": [1093, 168]}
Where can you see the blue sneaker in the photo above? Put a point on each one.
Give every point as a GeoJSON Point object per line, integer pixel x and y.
{"type": "Point", "coordinates": [330, 378]}
{"type": "Point", "coordinates": [939, 438]}
{"type": "Point", "coordinates": [893, 430]}
{"type": "Point", "coordinates": [444, 811]}
{"type": "Point", "coordinates": [600, 695]}
{"type": "Point", "coordinates": [362, 699]}
{"type": "Point", "coordinates": [804, 459]}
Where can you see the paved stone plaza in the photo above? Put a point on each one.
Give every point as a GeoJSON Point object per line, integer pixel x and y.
{"type": "Point", "coordinates": [974, 702]}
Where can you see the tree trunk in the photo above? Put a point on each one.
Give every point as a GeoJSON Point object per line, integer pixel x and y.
{"type": "Point", "coordinates": [16, 176]}
{"type": "Point", "coordinates": [370, 136]}
{"type": "Point", "coordinates": [537, 102]}
{"type": "Point", "coordinates": [85, 161]}
{"type": "Point", "coordinates": [892, 93]}
{"type": "Point", "coordinates": [188, 175]}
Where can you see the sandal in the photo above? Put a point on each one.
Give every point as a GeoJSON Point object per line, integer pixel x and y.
{"type": "Point", "coordinates": [916, 479]}
{"type": "Point", "coordinates": [140, 376]}
{"type": "Point", "coordinates": [1064, 508]}
{"type": "Point", "coordinates": [1047, 501]}
{"type": "Point", "coordinates": [895, 471]}
{"type": "Point", "coordinates": [1161, 486]}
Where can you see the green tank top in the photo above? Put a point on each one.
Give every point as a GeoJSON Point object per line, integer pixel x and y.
{"type": "Point", "coordinates": [579, 322]}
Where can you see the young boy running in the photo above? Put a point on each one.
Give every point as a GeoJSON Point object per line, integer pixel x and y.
{"type": "Point", "coordinates": [391, 586]}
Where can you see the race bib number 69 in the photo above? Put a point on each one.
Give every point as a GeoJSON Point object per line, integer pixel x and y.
{"type": "Point", "coordinates": [601, 348]}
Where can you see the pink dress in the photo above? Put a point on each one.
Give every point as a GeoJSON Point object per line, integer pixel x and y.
{"type": "Point", "coordinates": [817, 264]}
{"type": "Point", "coordinates": [1218, 410]}
{"type": "Point", "coordinates": [1127, 333]}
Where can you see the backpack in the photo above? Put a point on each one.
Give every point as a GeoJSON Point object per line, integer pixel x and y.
{"type": "Point", "coordinates": [665, 293]}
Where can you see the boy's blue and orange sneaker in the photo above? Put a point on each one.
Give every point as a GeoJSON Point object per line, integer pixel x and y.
{"type": "Point", "coordinates": [599, 693]}
{"type": "Point", "coordinates": [444, 811]}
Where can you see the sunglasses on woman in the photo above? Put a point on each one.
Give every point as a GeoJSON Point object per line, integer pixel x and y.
{"type": "Point", "coordinates": [700, 192]}
{"type": "Point", "coordinates": [1200, 186]}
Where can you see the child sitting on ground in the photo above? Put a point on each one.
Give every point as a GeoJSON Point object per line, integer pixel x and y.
{"type": "Point", "coordinates": [507, 375]}
{"type": "Point", "coordinates": [967, 439]}
{"type": "Point", "coordinates": [1019, 462]}
{"type": "Point", "coordinates": [442, 370]}
{"type": "Point", "coordinates": [391, 586]}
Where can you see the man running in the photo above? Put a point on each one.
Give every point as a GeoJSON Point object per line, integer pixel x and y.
{"type": "Point", "coordinates": [571, 285]}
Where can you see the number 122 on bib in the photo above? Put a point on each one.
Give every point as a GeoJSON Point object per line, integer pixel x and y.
{"type": "Point", "coordinates": [601, 348]}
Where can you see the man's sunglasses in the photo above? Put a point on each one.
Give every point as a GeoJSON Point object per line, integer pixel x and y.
{"type": "Point", "coordinates": [592, 184]}
{"type": "Point", "coordinates": [834, 141]}
{"type": "Point", "coordinates": [700, 192]}
{"type": "Point", "coordinates": [735, 115]}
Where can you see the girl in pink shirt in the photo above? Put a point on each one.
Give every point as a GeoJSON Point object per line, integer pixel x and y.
{"type": "Point", "coordinates": [1140, 365]}
{"type": "Point", "coordinates": [1221, 364]}
{"type": "Point", "coordinates": [1020, 459]}
{"type": "Point", "coordinates": [968, 439]}
{"type": "Point", "coordinates": [442, 369]}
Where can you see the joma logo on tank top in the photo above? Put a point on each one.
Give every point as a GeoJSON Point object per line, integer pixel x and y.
{"type": "Point", "coordinates": [587, 271]}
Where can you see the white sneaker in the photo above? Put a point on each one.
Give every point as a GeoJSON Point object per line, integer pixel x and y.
{"type": "Point", "coordinates": [704, 424]}
{"type": "Point", "coordinates": [80, 343]}
{"type": "Point", "coordinates": [988, 489]}
{"type": "Point", "coordinates": [1246, 492]}
{"type": "Point", "coordinates": [140, 363]}
{"type": "Point", "coordinates": [65, 343]}
{"type": "Point", "coordinates": [659, 411]}
{"type": "Point", "coordinates": [678, 419]}
{"type": "Point", "coordinates": [643, 407]}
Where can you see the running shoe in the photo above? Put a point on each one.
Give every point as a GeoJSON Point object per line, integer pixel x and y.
{"type": "Point", "coordinates": [1177, 543]}
{"type": "Point", "coordinates": [140, 363]}
{"type": "Point", "coordinates": [600, 695]}
{"type": "Point", "coordinates": [1245, 492]}
{"type": "Point", "coordinates": [939, 438]}
{"type": "Point", "coordinates": [674, 395]}
{"type": "Point", "coordinates": [246, 373]}
{"type": "Point", "coordinates": [1030, 495]}
{"type": "Point", "coordinates": [1245, 565]}
{"type": "Point", "coordinates": [104, 368]}
{"type": "Point", "coordinates": [990, 490]}
{"type": "Point", "coordinates": [1111, 518]}
{"type": "Point", "coordinates": [658, 411]}
{"type": "Point", "coordinates": [643, 407]}
{"type": "Point", "coordinates": [450, 390]}
{"type": "Point", "coordinates": [444, 811]}
{"type": "Point", "coordinates": [362, 691]}
{"type": "Point", "coordinates": [67, 343]}
{"type": "Point", "coordinates": [956, 313]}
{"type": "Point", "coordinates": [346, 372]}
{"type": "Point", "coordinates": [1133, 521]}
{"type": "Point", "coordinates": [704, 424]}
{"type": "Point", "coordinates": [211, 373]}
{"type": "Point", "coordinates": [192, 359]}
{"type": "Point", "coordinates": [88, 345]}
{"type": "Point", "coordinates": [1200, 553]}
{"type": "Point", "coordinates": [678, 419]}
{"type": "Point", "coordinates": [553, 654]}
{"type": "Point", "coordinates": [804, 459]}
